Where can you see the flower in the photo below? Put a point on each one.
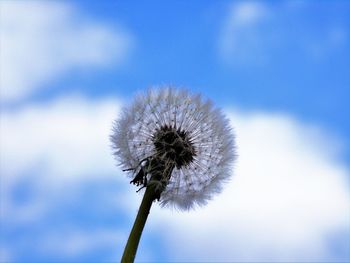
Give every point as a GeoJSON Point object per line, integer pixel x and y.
{"type": "Point", "coordinates": [178, 141]}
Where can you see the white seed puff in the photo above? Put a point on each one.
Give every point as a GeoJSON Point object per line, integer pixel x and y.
{"type": "Point", "coordinates": [197, 125]}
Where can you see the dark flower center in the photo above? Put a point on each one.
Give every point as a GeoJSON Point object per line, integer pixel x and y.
{"type": "Point", "coordinates": [175, 145]}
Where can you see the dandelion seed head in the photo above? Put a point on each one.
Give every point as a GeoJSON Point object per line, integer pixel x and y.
{"type": "Point", "coordinates": [186, 133]}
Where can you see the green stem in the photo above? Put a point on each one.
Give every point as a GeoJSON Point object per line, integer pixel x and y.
{"type": "Point", "coordinates": [135, 234]}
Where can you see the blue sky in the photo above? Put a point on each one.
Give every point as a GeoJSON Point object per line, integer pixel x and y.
{"type": "Point", "coordinates": [279, 70]}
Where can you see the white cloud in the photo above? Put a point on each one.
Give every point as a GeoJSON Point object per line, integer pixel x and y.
{"type": "Point", "coordinates": [40, 41]}
{"type": "Point", "coordinates": [55, 147]}
{"type": "Point", "coordinates": [288, 197]}
{"type": "Point", "coordinates": [59, 137]}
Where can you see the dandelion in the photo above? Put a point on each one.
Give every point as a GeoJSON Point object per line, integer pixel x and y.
{"type": "Point", "coordinates": [175, 145]}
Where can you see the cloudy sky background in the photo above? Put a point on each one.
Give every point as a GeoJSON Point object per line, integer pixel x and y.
{"type": "Point", "coordinates": [278, 70]}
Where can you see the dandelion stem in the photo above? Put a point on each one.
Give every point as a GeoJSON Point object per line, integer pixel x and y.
{"type": "Point", "coordinates": [135, 234]}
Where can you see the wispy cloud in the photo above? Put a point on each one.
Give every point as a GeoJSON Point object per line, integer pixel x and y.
{"type": "Point", "coordinates": [40, 41]}
{"type": "Point", "coordinates": [74, 243]}
{"type": "Point", "coordinates": [5, 254]}
{"type": "Point", "coordinates": [259, 33]}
